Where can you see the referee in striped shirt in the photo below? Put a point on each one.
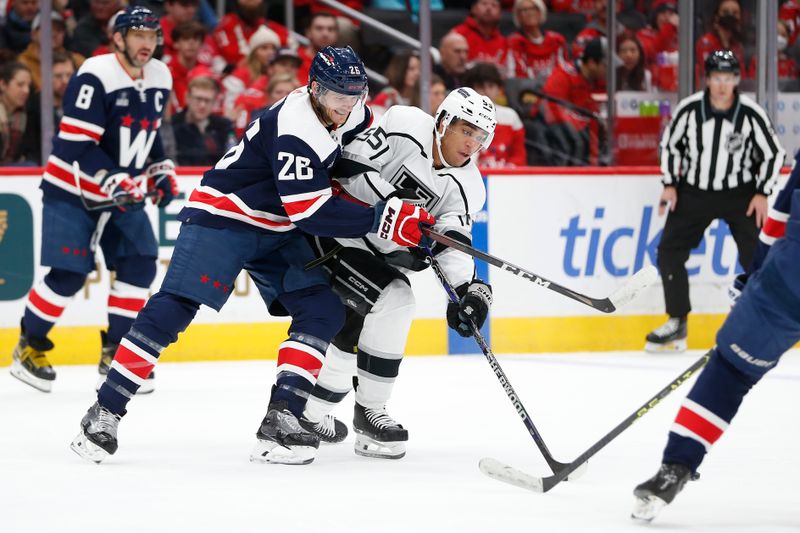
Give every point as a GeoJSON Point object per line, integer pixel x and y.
{"type": "Point", "coordinates": [720, 158]}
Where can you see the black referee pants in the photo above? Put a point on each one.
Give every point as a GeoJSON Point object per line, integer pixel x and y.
{"type": "Point", "coordinates": [696, 210]}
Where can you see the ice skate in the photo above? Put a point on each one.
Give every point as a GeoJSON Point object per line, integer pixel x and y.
{"type": "Point", "coordinates": [98, 437]}
{"type": "Point", "coordinates": [659, 491]}
{"type": "Point", "coordinates": [330, 430]}
{"type": "Point", "coordinates": [670, 337]}
{"type": "Point", "coordinates": [281, 439]}
{"type": "Point", "coordinates": [107, 357]}
{"type": "Point", "coordinates": [29, 362]}
{"type": "Point", "coordinates": [377, 434]}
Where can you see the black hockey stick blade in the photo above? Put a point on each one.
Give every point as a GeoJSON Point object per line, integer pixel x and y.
{"type": "Point", "coordinates": [508, 474]}
{"type": "Point", "coordinates": [617, 299]}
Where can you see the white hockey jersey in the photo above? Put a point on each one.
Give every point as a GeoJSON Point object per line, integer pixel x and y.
{"type": "Point", "coordinates": [396, 154]}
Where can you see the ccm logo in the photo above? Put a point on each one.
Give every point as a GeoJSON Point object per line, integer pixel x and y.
{"type": "Point", "coordinates": [387, 223]}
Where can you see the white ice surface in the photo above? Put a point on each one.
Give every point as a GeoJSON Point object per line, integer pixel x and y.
{"type": "Point", "coordinates": [183, 463]}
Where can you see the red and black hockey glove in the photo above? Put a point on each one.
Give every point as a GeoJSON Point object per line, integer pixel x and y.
{"type": "Point", "coordinates": [400, 222]}
{"type": "Point", "coordinates": [161, 178]}
{"type": "Point", "coordinates": [119, 185]}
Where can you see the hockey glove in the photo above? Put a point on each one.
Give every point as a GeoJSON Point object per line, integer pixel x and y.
{"type": "Point", "coordinates": [736, 288]}
{"type": "Point", "coordinates": [161, 178]}
{"type": "Point", "coordinates": [120, 186]}
{"type": "Point", "coordinates": [472, 309]}
{"type": "Point", "coordinates": [400, 222]}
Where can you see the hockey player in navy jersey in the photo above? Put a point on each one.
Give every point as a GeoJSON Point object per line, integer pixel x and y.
{"type": "Point", "coordinates": [763, 324]}
{"type": "Point", "coordinates": [249, 212]}
{"type": "Point", "coordinates": [107, 147]}
{"type": "Point", "coordinates": [431, 159]}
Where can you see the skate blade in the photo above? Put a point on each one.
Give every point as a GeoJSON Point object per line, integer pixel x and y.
{"type": "Point", "coordinates": [368, 447]}
{"type": "Point", "coordinates": [19, 372]}
{"type": "Point", "coordinates": [678, 346]}
{"type": "Point", "coordinates": [647, 507]}
{"type": "Point", "coordinates": [267, 451]}
{"type": "Point", "coordinates": [87, 449]}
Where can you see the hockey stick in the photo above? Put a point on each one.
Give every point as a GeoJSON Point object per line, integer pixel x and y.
{"type": "Point", "coordinates": [502, 472]}
{"type": "Point", "coordinates": [618, 298]}
{"type": "Point", "coordinates": [118, 201]}
{"type": "Point", "coordinates": [556, 466]}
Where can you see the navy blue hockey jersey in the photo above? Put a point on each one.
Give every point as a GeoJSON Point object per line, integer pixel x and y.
{"type": "Point", "coordinates": [110, 124]}
{"type": "Point", "coordinates": [277, 178]}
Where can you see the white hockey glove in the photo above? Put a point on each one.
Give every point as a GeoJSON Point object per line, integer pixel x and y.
{"type": "Point", "coordinates": [476, 300]}
{"type": "Point", "coordinates": [161, 178]}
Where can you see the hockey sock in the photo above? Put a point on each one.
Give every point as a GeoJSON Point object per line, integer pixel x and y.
{"type": "Point", "coordinates": [317, 315]}
{"type": "Point", "coordinates": [334, 382]}
{"type": "Point", "coordinates": [300, 359]}
{"type": "Point", "coordinates": [157, 326]}
{"type": "Point", "coordinates": [128, 293]}
{"type": "Point", "coordinates": [377, 373]}
{"type": "Point", "coordinates": [124, 303]}
{"type": "Point", "coordinates": [47, 300]}
{"type": "Point", "coordinates": [706, 412]}
{"type": "Point", "coordinates": [382, 343]}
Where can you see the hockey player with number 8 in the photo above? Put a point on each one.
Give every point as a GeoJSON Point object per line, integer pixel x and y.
{"type": "Point", "coordinates": [413, 155]}
{"type": "Point", "coordinates": [249, 213]}
{"type": "Point", "coordinates": [108, 140]}
{"type": "Point", "coordinates": [763, 324]}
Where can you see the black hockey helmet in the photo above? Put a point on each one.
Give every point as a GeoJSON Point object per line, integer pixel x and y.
{"type": "Point", "coordinates": [722, 61]}
{"type": "Point", "coordinates": [339, 70]}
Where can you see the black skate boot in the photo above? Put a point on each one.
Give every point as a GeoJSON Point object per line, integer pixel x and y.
{"type": "Point", "coordinates": [107, 353]}
{"type": "Point", "coordinates": [98, 437]}
{"type": "Point", "coordinates": [377, 434]}
{"type": "Point", "coordinates": [670, 337]}
{"type": "Point", "coordinates": [331, 430]}
{"type": "Point", "coordinates": [281, 439]}
{"type": "Point", "coordinates": [29, 362]}
{"type": "Point", "coordinates": [658, 491]}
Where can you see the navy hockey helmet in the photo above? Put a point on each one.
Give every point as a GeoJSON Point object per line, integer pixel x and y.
{"type": "Point", "coordinates": [136, 18]}
{"type": "Point", "coordinates": [722, 61]}
{"type": "Point", "coordinates": [339, 70]}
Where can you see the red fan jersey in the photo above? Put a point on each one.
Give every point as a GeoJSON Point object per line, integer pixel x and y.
{"type": "Point", "coordinates": [488, 48]}
{"type": "Point", "coordinates": [528, 58]}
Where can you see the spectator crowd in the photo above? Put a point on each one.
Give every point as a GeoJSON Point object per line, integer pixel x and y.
{"type": "Point", "coordinates": [543, 62]}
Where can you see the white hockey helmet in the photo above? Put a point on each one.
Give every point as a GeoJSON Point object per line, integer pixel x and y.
{"type": "Point", "coordinates": [468, 105]}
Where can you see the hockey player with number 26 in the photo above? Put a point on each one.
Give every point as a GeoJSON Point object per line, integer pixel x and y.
{"type": "Point", "coordinates": [108, 140]}
{"type": "Point", "coordinates": [415, 156]}
{"type": "Point", "coordinates": [249, 212]}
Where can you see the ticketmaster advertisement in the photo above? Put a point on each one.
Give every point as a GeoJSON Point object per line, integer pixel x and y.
{"type": "Point", "coordinates": [587, 232]}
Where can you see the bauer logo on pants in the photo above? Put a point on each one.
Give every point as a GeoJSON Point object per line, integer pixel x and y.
{"type": "Point", "coordinates": [16, 247]}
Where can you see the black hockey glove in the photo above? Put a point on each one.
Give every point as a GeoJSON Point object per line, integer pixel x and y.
{"type": "Point", "coordinates": [476, 299]}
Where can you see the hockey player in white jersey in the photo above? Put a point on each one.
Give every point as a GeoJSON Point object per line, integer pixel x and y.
{"type": "Point", "coordinates": [425, 161]}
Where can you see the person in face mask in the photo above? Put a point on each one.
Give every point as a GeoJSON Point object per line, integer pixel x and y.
{"type": "Point", "coordinates": [725, 34]}
{"type": "Point", "coordinates": [788, 69]}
